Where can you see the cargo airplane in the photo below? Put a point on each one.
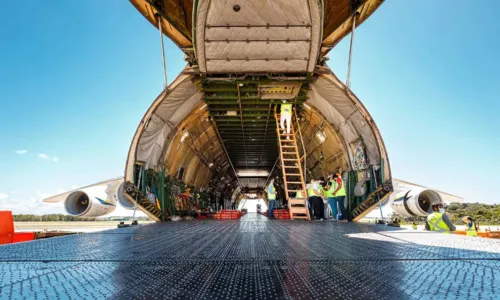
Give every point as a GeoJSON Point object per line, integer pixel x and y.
{"type": "Point", "coordinates": [214, 127]}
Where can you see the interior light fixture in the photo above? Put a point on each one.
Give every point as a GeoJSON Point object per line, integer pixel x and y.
{"type": "Point", "coordinates": [321, 136]}
{"type": "Point", "coordinates": [184, 136]}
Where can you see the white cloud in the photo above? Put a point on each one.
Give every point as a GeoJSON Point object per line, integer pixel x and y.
{"type": "Point", "coordinates": [21, 152]}
{"type": "Point", "coordinates": [14, 192]}
{"type": "Point", "coordinates": [3, 196]}
{"type": "Point", "coordinates": [46, 157]}
{"type": "Point", "coordinates": [31, 205]}
{"type": "Point", "coordinates": [42, 155]}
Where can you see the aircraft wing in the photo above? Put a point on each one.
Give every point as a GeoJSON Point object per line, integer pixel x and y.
{"type": "Point", "coordinates": [401, 185]}
{"type": "Point", "coordinates": [61, 197]}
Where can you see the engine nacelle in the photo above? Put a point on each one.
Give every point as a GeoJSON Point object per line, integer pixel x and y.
{"type": "Point", "coordinates": [90, 202]}
{"type": "Point", "coordinates": [415, 202]}
{"type": "Point", "coordinates": [120, 197]}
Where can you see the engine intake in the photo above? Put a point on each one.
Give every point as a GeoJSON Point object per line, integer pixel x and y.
{"type": "Point", "coordinates": [415, 202]}
{"type": "Point", "coordinates": [77, 203]}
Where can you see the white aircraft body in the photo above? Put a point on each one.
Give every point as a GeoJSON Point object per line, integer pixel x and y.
{"type": "Point", "coordinates": [107, 199]}
{"type": "Point", "coordinates": [101, 199]}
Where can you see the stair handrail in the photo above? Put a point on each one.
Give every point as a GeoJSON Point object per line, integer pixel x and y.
{"type": "Point", "coordinates": [303, 147]}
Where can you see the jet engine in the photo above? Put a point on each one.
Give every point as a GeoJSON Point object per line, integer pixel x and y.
{"type": "Point", "coordinates": [89, 202]}
{"type": "Point", "coordinates": [120, 198]}
{"type": "Point", "coordinates": [415, 202]}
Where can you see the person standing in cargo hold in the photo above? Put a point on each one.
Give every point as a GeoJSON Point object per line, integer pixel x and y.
{"type": "Point", "coordinates": [315, 202]}
{"type": "Point", "coordinates": [271, 196]}
{"type": "Point", "coordinates": [438, 220]}
{"type": "Point", "coordinates": [330, 188]}
{"type": "Point", "coordinates": [286, 114]}
{"type": "Point", "coordinates": [339, 195]}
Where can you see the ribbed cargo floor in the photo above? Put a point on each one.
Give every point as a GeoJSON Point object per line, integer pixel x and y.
{"type": "Point", "coordinates": [252, 258]}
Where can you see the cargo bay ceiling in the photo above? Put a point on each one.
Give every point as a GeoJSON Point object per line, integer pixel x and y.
{"type": "Point", "coordinates": [243, 58]}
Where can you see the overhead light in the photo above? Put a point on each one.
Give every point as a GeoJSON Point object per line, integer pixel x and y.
{"type": "Point", "coordinates": [252, 173]}
{"type": "Point", "coordinates": [231, 113]}
{"type": "Point", "coordinates": [321, 136]}
{"type": "Point", "coordinates": [184, 136]}
{"type": "Point", "coordinates": [307, 106]}
{"type": "Point", "coordinates": [210, 165]}
{"type": "Point", "coordinates": [201, 108]}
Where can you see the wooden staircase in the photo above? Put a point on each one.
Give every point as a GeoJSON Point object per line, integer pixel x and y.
{"type": "Point", "coordinates": [293, 177]}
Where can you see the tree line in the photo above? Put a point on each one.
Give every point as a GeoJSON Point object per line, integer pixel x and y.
{"type": "Point", "coordinates": [488, 214]}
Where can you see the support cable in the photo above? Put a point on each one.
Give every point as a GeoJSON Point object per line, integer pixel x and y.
{"type": "Point", "coordinates": [348, 79]}
{"type": "Point", "coordinates": [378, 196]}
{"type": "Point", "coordinates": [162, 53]}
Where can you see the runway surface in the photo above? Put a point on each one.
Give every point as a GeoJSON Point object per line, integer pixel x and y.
{"type": "Point", "coordinates": [252, 258]}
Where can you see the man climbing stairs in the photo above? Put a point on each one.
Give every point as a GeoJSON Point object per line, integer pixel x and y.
{"type": "Point", "coordinates": [293, 177]}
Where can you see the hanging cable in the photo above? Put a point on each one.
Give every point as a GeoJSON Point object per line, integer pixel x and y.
{"type": "Point", "coordinates": [348, 79]}
{"type": "Point", "coordinates": [162, 52]}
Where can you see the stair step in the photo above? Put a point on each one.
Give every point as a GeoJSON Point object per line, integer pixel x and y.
{"type": "Point", "coordinates": [289, 159]}
{"type": "Point", "coordinates": [287, 146]}
{"type": "Point", "coordinates": [298, 210]}
{"type": "Point", "coordinates": [289, 153]}
{"type": "Point", "coordinates": [285, 134]}
{"type": "Point", "coordinates": [294, 190]}
{"type": "Point", "coordinates": [292, 167]}
{"type": "Point", "coordinates": [294, 182]}
{"type": "Point", "coordinates": [296, 201]}
{"type": "Point", "coordinates": [299, 217]}
{"type": "Point", "coordinates": [290, 174]}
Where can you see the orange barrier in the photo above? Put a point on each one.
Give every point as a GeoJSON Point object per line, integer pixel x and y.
{"type": "Point", "coordinates": [7, 234]}
{"type": "Point", "coordinates": [227, 214]}
{"type": "Point", "coordinates": [6, 227]}
{"type": "Point", "coordinates": [485, 234]}
{"type": "Point", "coordinates": [23, 237]}
{"type": "Point", "coordinates": [282, 214]}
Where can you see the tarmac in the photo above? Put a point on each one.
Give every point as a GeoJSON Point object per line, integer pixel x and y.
{"type": "Point", "coordinates": [252, 258]}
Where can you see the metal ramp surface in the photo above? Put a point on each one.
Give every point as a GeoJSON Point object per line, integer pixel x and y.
{"type": "Point", "coordinates": [252, 258]}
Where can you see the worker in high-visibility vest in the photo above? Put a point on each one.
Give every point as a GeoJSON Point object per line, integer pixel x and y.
{"type": "Point", "coordinates": [438, 220]}
{"type": "Point", "coordinates": [339, 195]}
{"type": "Point", "coordinates": [286, 115]}
{"type": "Point", "coordinates": [330, 188]}
{"type": "Point", "coordinates": [271, 196]}
{"type": "Point", "coordinates": [471, 227]}
{"type": "Point", "coordinates": [414, 225]}
{"type": "Point", "coordinates": [315, 202]}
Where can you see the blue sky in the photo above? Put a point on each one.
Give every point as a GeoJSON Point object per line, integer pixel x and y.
{"type": "Point", "coordinates": [76, 78]}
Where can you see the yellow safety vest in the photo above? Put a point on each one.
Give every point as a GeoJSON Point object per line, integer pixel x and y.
{"type": "Point", "coordinates": [436, 223]}
{"type": "Point", "coordinates": [471, 231]}
{"type": "Point", "coordinates": [299, 194]}
{"type": "Point", "coordinates": [333, 187]}
{"type": "Point", "coordinates": [271, 192]}
{"type": "Point", "coordinates": [286, 109]}
{"type": "Point", "coordinates": [341, 192]}
{"type": "Point", "coordinates": [414, 226]}
{"type": "Point", "coordinates": [310, 191]}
